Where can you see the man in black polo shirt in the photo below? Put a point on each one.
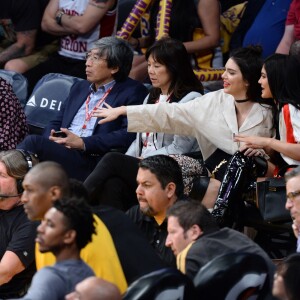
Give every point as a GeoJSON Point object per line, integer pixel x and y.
{"type": "Point", "coordinates": [160, 183]}
{"type": "Point", "coordinates": [17, 233]}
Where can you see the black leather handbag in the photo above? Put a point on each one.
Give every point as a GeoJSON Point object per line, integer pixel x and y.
{"type": "Point", "coordinates": [271, 199]}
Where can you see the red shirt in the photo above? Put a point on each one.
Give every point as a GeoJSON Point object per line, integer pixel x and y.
{"type": "Point", "coordinates": [293, 18]}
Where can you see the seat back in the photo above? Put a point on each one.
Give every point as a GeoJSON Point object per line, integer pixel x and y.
{"type": "Point", "coordinates": [18, 83]}
{"type": "Point", "coordinates": [233, 276]}
{"type": "Point", "coordinates": [163, 284]}
{"type": "Point", "coordinates": [46, 100]}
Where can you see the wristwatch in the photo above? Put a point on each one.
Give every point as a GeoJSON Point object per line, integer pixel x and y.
{"type": "Point", "coordinates": [58, 17]}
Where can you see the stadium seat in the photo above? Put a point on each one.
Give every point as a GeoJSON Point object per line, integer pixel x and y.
{"type": "Point", "coordinates": [233, 276]}
{"type": "Point", "coordinates": [163, 284]}
{"type": "Point", "coordinates": [46, 99]}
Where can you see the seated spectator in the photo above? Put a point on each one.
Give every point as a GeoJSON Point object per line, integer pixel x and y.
{"type": "Point", "coordinates": [287, 279]}
{"type": "Point", "coordinates": [94, 288]}
{"type": "Point", "coordinates": [238, 108]}
{"type": "Point", "coordinates": [262, 24]}
{"type": "Point", "coordinates": [293, 200]}
{"type": "Point", "coordinates": [67, 228]}
{"type": "Point", "coordinates": [292, 28]}
{"type": "Point", "coordinates": [173, 80]}
{"type": "Point", "coordinates": [43, 185]}
{"type": "Point", "coordinates": [78, 24]}
{"type": "Point", "coordinates": [195, 238]}
{"type": "Point", "coordinates": [131, 244]}
{"type": "Point", "coordinates": [13, 126]}
{"type": "Point", "coordinates": [85, 142]}
{"type": "Point", "coordinates": [185, 19]}
{"type": "Point", "coordinates": [159, 186]}
{"type": "Point", "coordinates": [17, 233]}
{"type": "Point", "coordinates": [21, 35]}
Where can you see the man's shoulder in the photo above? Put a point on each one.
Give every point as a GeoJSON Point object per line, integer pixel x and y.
{"type": "Point", "coordinates": [130, 83]}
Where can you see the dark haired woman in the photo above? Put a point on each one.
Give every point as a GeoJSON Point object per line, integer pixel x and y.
{"type": "Point", "coordinates": [214, 118]}
{"type": "Point", "coordinates": [173, 80]}
{"type": "Point", "coordinates": [286, 93]}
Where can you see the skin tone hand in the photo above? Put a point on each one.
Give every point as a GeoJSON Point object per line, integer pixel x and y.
{"type": "Point", "coordinates": [109, 113]}
{"type": "Point", "coordinates": [72, 141]}
{"type": "Point", "coordinates": [256, 142]}
{"type": "Point", "coordinates": [248, 151]}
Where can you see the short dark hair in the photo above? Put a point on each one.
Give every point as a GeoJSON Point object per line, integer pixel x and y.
{"type": "Point", "coordinates": [191, 212]}
{"type": "Point", "coordinates": [249, 61]}
{"type": "Point", "coordinates": [173, 55]}
{"type": "Point", "coordinates": [118, 53]}
{"type": "Point", "coordinates": [79, 217]}
{"type": "Point", "coordinates": [51, 173]}
{"type": "Point", "coordinates": [166, 170]}
{"type": "Point", "coordinates": [289, 270]}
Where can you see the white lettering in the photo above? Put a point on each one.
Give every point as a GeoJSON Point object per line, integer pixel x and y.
{"type": "Point", "coordinates": [52, 104]}
{"type": "Point", "coordinates": [44, 102]}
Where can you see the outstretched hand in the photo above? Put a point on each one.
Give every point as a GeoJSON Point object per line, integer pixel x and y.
{"type": "Point", "coordinates": [108, 113]}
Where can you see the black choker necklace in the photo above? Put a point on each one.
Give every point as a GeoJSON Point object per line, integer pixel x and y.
{"type": "Point", "coordinates": [242, 101]}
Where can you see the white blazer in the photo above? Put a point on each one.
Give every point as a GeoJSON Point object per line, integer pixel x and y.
{"type": "Point", "coordinates": [211, 119]}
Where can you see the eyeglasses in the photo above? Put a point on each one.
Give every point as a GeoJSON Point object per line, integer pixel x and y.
{"type": "Point", "coordinates": [93, 57]}
{"type": "Point", "coordinates": [292, 195]}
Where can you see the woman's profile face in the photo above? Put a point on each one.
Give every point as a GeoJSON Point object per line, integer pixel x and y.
{"type": "Point", "coordinates": [264, 83]}
{"type": "Point", "coordinates": [233, 81]}
{"type": "Point", "coordinates": [159, 75]}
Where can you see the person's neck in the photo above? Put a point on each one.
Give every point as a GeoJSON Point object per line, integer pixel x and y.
{"type": "Point", "coordinates": [102, 83]}
{"type": "Point", "coordinates": [68, 252]}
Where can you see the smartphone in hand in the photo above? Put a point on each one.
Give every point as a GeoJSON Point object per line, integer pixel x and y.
{"type": "Point", "coordinates": [59, 134]}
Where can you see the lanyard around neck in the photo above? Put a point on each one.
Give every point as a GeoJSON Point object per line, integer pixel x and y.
{"type": "Point", "coordinates": [88, 114]}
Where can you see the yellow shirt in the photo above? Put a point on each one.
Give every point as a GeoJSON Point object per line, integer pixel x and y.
{"type": "Point", "coordinates": [100, 255]}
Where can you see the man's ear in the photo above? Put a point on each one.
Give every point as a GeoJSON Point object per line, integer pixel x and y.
{"type": "Point", "coordinates": [170, 188]}
{"type": "Point", "coordinates": [114, 70]}
{"type": "Point", "coordinates": [55, 192]}
{"type": "Point", "coordinates": [70, 237]}
{"type": "Point", "coordinates": [195, 232]}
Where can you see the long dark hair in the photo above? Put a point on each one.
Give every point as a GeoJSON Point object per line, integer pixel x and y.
{"type": "Point", "coordinates": [291, 93]}
{"type": "Point", "coordinates": [275, 66]}
{"type": "Point", "coordinates": [172, 54]}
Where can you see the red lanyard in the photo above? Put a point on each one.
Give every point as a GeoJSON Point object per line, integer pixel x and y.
{"type": "Point", "coordinates": [88, 115]}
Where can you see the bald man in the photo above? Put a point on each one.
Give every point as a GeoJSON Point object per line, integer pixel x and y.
{"type": "Point", "coordinates": [94, 288]}
{"type": "Point", "coordinates": [48, 182]}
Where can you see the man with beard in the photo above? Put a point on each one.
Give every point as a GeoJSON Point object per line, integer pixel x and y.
{"type": "Point", "coordinates": [160, 183]}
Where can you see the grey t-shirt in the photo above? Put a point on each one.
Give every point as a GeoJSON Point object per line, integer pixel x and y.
{"type": "Point", "coordinates": [53, 283]}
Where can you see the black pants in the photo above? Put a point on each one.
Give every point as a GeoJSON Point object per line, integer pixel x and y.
{"type": "Point", "coordinates": [113, 181]}
{"type": "Point", "coordinates": [55, 64]}
{"type": "Point", "coordinates": [76, 163]}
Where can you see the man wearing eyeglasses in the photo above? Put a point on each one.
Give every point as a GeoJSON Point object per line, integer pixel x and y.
{"type": "Point", "coordinates": [293, 200]}
{"type": "Point", "coordinates": [74, 138]}
{"type": "Point", "coordinates": [78, 24]}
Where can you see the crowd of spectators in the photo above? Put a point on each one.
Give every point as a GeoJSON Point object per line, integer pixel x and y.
{"type": "Point", "coordinates": [138, 170]}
